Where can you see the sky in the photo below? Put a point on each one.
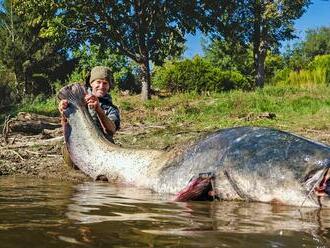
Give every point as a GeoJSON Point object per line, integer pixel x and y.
{"type": "Point", "coordinates": [317, 15]}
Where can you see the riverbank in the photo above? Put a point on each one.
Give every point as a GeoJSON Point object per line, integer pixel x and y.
{"type": "Point", "coordinates": [169, 121]}
{"type": "Point", "coordinates": [33, 156]}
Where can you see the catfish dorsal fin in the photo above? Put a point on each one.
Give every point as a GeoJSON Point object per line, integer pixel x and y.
{"type": "Point", "coordinates": [74, 93]}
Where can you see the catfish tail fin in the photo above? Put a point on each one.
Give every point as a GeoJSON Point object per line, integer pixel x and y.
{"type": "Point", "coordinates": [74, 93]}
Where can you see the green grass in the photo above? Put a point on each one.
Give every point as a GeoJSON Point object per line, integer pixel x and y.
{"type": "Point", "coordinates": [308, 78]}
{"type": "Point", "coordinates": [297, 109]}
{"type": "Point", "coordinates": [182, 117]}
{"type": "Point", "coordinates": [40, 106]}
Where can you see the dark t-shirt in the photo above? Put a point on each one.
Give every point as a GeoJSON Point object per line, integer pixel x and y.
{"type": "Point", "coordinates": [110, 110]}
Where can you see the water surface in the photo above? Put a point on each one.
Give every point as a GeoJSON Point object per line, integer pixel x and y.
{"type": "Point", "coordinates": [40, 213]}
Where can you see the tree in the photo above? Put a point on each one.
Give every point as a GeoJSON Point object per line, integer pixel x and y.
{"type": "Point", "coordinates": [261, 23]}
{"type": "Point", "coordinates": [143, 30]}
{"type": "Point", "coordinates": [7, 96]}
{"type": "Point", "coordinates": [316, 42]}
{"type": "Point", "coordinates": [34, 58]}
{"type": "Point", "coordinates": [90, 55]}
{"type": "Point", "coordinates": [229, 56]}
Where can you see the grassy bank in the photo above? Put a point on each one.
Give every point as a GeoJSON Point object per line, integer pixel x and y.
{"type": "Point", "coordinates": [167, 120]}
{"type": "Point", "coordinates": [305, 111]}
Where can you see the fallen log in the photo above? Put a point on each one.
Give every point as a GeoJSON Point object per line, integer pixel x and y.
{"type": "Point", "coordinates": [44, 142]}
{"type": "Point", "coordinates": [30, 123]}
{"type": "Point", "coordinates": [51, 133]}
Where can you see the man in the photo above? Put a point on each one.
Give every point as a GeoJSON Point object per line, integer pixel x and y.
{"type": "Point", "coordinates": [104, 114]}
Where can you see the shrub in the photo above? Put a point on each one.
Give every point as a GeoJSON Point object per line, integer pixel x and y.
{"type": "Point", "coordinates": [320, 61]}
{"type": "Point", "coordinates": [281, 76]}
{"type": "Point", "coordinates": [317, 73]}
{"type": "Point", "coordinates": [7, 87]}
{"type": "Point", "coordinates": [197, 75]}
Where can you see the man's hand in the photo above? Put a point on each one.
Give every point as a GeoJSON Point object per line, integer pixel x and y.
{"type": "Point", "coordinates": [107, 124]}
{"type": "Point", "coordinates": [92, 102]}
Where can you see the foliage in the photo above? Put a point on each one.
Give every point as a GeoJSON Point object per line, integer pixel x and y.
{"type": "Point", "coordinates": [316, 73]}
{"type": "Point", "coordinates": [89, 56]}
{"type": "Point", "coordinates": [229, 56]}
{"type": "Point", "coordinates": [281, 76]}
{"type": "Point", "coordinates": [7, 89]}
{"type": "Point", "coordinates": [295, 59]}
{"type": "Point", "coordinates": [262, 24]}
{"type": "Point", "coordinates": [316, 42]}
{"type": "Point", "coordinates": [273, 64]}
{"type": "Point", "coordinates": [320, 61]}
{"type": "Point", "coordinates": [307, 77]}
{"type": "Point", "coordinates": [40, 105]}
{"type": "Point", "coordinates": [141, 30]}
{"type": "Point", "coordinates": [197, 75]}
{"type": "Point", "coordinates": [35, 59]}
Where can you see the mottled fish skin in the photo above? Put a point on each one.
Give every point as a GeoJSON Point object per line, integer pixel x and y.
{"type": "Point", "coordinates": [264, 164]}
{"type": "Point", "coordinates": [250, 163]}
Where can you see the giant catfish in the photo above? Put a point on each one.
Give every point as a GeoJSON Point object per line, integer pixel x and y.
{"type": "Point", "coordinates": [243, 163]}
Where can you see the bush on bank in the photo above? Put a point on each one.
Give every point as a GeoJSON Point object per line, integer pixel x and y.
{"type": "Point", "coordinates": [315, 73]}
{"type": "Point", "coordinates": [197, 75]}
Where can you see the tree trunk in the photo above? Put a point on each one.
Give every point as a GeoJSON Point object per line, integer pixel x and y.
{"type": "Point", "coordinates": [260, 58]}
{"type": "Point", "coordinates": [146, 80]}
{"type": "Point", "coordinates": [18, 84]}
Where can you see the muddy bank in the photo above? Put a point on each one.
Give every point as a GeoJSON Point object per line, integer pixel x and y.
{"type": "Point", "coordinates": [36, 156]}
{"type": "Point", "coordinates": [35, 153]}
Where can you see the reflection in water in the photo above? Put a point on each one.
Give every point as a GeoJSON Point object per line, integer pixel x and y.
{"type": "Point", "coordinates": [98, 203]}
{"type": "Point", "coordinates": [47, 214]}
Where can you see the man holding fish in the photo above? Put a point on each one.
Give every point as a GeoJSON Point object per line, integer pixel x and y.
{"type": "Point", "coordinates": [104, 114]}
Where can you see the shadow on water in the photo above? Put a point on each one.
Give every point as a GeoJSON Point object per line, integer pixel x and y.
{"type": "Point", "coordinates": [48, 214]}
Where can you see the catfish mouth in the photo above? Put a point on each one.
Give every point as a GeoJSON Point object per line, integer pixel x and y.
{"type": "Point", "coordinates": [323, 188]}
{"type": "Point", "coordinates": [317, 184]}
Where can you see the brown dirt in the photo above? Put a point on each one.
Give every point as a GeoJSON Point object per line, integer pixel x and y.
{"type": "Point", "coordinates": [34, 156]}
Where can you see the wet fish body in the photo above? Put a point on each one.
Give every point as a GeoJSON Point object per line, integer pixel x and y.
{"type": "Point", "coordinates": [249, 163]}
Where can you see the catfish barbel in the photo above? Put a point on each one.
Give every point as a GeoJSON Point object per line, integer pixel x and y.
{"type": "Point", "coordinates": [244, 163]}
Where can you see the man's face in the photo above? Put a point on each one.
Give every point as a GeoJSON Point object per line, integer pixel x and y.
{"type": "Point", "coordinates": [100, 87]}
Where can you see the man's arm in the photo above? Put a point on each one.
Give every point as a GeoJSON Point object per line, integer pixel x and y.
{"type": "Point", "coordinates": [107, 124]}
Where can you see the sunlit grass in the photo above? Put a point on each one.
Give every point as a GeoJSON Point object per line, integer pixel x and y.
{"type": "Point", "coordinates": [40, 106]}
{"type": "Point", "coordinates": [180, 117]}
{"type": "Point", "coordinates": [296, 108]}
{"type": "Point", "coordinates": [307, 78]}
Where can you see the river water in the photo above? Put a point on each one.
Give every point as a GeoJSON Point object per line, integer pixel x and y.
{"type": "Point", "coordinates": [40, 213]}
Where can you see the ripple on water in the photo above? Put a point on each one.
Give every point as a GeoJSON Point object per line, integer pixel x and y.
{"type": "Point", "coordinates": [40, 213]}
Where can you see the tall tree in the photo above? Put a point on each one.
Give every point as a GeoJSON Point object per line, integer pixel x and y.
{"type": "Point", "coordinates": [143, 30]}
{"type": "Point", "coordinates": [229, 56]}
{"type": "Point", "coordinates": [30, 49]}
{"type": "Point", "coordinates": [317, 42]}
{"type": "Point", "coordinates": [26, 49]}
{"type": "Point", "coordinates": [262, 23]}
